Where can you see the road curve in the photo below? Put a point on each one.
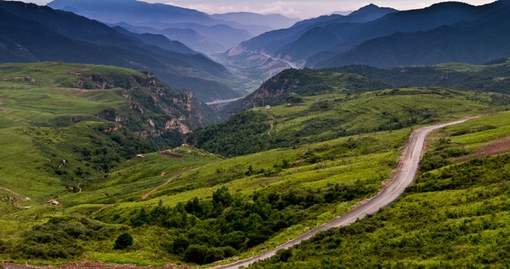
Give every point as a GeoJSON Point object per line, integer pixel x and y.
{"type": "Point", "coordinates": [403, 178]}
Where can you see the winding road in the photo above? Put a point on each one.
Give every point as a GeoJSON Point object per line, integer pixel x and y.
{"type": "Point", "coordinates": [404, 177]}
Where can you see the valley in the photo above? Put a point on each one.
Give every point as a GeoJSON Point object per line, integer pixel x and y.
{"type": "Point", "coordinates": [173, 138]}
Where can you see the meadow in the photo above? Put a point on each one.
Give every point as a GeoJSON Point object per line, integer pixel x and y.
{"type": "Point", "coordinates": [455, 215]}
{"type": "Point", "coordinates": [123, 199]}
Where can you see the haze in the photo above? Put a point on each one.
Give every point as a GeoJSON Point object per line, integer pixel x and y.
{"type": "Point", "coordinates": [291, 8]}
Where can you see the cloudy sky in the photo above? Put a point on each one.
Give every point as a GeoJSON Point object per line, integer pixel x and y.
{"type": "Point", "coordinates": [292, 8]}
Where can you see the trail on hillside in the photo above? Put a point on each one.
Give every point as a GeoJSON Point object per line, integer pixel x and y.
{"type": "Point", "coordinates": [17, 194]}
{"type": "Point", "coordinates": [271, 127]}
{"type": "Point", "coordinates": [271, 123]}
{"type": "Point", "coordinates": [145, 196]}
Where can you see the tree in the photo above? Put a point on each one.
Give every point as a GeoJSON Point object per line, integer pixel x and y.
{"type": "Point", "coordinates": [124, 241]}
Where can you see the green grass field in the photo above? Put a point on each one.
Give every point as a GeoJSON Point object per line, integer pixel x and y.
{"type": "Point", "coordinates": [349, 144]}
{"type": "Point", "coordinates": [452, 217]}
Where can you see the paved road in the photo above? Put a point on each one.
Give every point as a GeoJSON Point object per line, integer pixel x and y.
{"type": "Point", "coordinates": [289, 63]}
{"type": "Point", "coordinates": [225, 101]}
{"type": "Point", "coordinates": [403, 178]}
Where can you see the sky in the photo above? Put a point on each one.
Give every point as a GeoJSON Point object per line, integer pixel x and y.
{"type": "Point", "coordinates": [301, 9]}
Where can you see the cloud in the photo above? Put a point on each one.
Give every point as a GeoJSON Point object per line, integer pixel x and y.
{"type": "Point", "coordinates": [292, 8]}
{"type": "Point", "coordinates": [299, 9]}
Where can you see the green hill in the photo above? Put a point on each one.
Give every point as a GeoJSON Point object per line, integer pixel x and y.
{"type": "Point", "coordinates": [455, 215]}
{"type": "Point", "coordinates": [81, 177]}
{"type": "Point", "coordinates": [87, 118]}
{"type": "Point", "coordinates": [493, 76]}
{"type": "Point", "coordinates": [322, 105]}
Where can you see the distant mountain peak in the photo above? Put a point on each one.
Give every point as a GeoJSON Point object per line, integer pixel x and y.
{"type": "Point", "coordinates": [372, 8]}
{"type": "Point", "coordinates": [371, 12]}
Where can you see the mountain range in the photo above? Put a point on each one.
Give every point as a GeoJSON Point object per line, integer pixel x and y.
{"type": "Point", "coordinates": [384, 37]}
{"type": "Point", "coordinates": [32, 33]}
{"type": "Point", "coordinates": [198, 30]}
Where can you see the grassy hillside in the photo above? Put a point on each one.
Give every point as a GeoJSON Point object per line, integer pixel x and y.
{"type": "Point", "coordinates": [63, 124]}
{"type": "Point", "coordinates": [289, 85]}
{"type": "Point", "coordinates": [328, 116]}
{"type": "Point", "coordinates": [493, 76]}
{"type": "Point", "coordinates": [321, 157]}
{"type": "Point", "coordinates": [455, 215]}
{"type": "Point", "coordinates": [267, 198]}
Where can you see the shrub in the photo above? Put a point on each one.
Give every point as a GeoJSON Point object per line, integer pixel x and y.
{"type": "Point", "coordinates": [124, 241]}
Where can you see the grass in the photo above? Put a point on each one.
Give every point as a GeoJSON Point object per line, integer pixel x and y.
{"type": "Point", "coordinates": [437, 223]}
{"type": "Point", "coordinates": [33, 147]}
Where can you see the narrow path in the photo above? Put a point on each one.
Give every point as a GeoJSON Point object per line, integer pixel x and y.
{"type": "Point", "coordinates": [271, 126]}
{"type": "Point", "coordinates": [404, 177]}
{"type": "Point", "coordinates": [145, 196]}
{"type": "Point", "coordinates": [17, 194]}
{"type": "Point", "coordinates": [271, 123]}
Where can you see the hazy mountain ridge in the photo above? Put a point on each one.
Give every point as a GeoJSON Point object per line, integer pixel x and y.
{"type": "Point", "coordinates": [220, 31]}
{"type": "Point", "coordinates": [273, 42]}
{"type": "Point", "coordinates": [464, 41]}
{"type": "Point", "coordinates": [265, 22]}
{"type": "Point", "coordinates": [317, 42]}
{"type": "Point", "coordinates": [36, 33]}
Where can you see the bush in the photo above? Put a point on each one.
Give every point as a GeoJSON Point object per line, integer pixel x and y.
{"type": "Point", "coordinates": [124, 241]}
{"type": "Point", "coordinates": [284, 255]}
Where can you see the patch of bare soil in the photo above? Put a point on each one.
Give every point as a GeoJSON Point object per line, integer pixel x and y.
{"type": "Point", "coordinates": [262, 182]}
{"type": "Point", "coordinates": [171, 155]}
{"type": "Point", "coordinates": [298, 162]}
{"type": "Point", "coordinates": [2, 102]}
{"type": "Point", "coordinates": [495, 147]}
{"type": "Point", "coordinates": [83, 69]}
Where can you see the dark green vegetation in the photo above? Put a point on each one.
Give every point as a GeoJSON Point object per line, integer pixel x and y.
{"type": "Point", "coordinates": [32, 33]}
{"type": "Point", "coordinates": [207, 231]}
{"type": "Point", "coordinates": [493, 76]}
{"type": "Point", "coordinates": [61, 238]}
{"type": "Point", "coordinates": [290, 85]}
{"type": "Point", "coordinates": [455, 215]}
{"type": "Point", "coordinates": [323, 105]}
{"type": "Point", "coordinates": [76, 186]}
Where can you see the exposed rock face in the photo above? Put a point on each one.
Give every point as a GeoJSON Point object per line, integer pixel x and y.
{"type": "Point", "coordinates": [175, 124]}
{"type": "Point", "coordinates": [152, 108]}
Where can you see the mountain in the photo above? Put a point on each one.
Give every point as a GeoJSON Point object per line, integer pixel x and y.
{"type": "Point", "coordinates": [447, 218]}
{"type": "Point", "coordinates": [135, 101]}
{"type": "Point", "coordinates": [385, 37]}
{"type": "Point", "coordinates": [32, 33]}
{"type": "Point", "coordinates": [493, 76]}
{"type": "Point", "coordinates": [266, 55]}
{"type": "Point", "coordinates": [292, 84]}
{"type": "Point", "coordinates": [142, 13]}
{"type": "Point", "coordinates": [198, 30]}
{"type": "Point", "coordinates": [274, 42]}
{"type": "Point", "coordinates": [264, 23]}
{"type": "Point", "coordinates": [474, 41]}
